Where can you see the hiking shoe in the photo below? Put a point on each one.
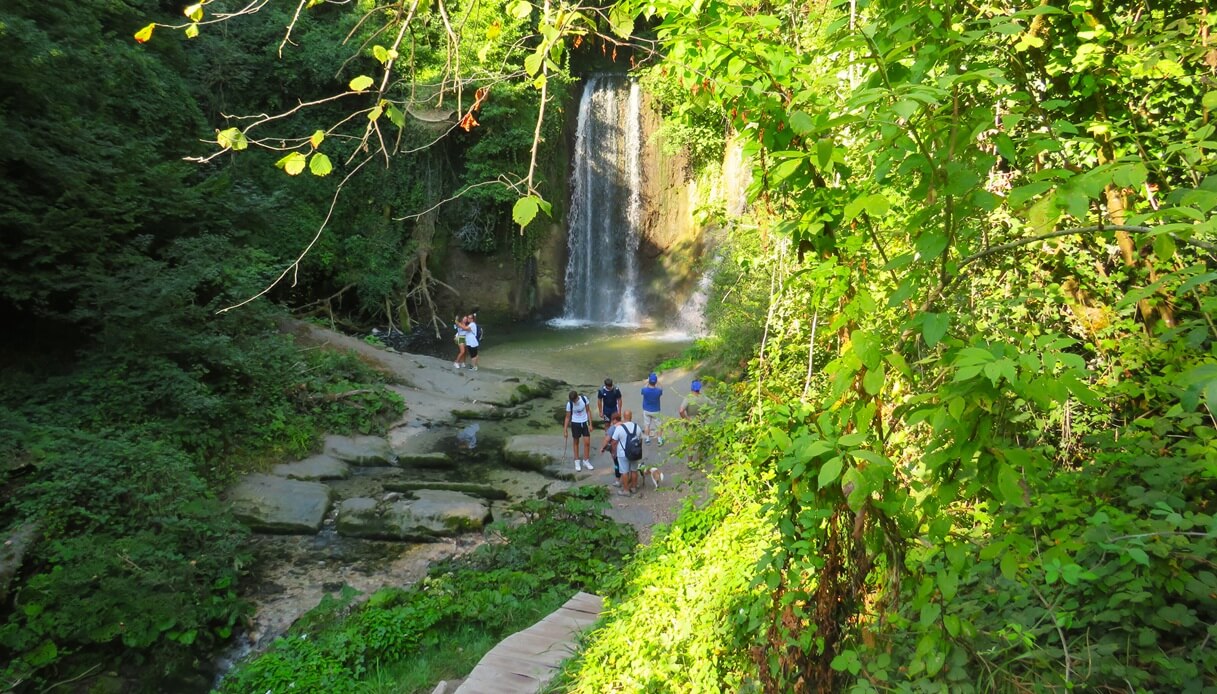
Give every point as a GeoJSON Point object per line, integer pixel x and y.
{"type": "Point", "coordinates": [660, 440]}
{"type": "Point", "coordinates": [622, 492]}
{"type": "Point", "coordinates": [647, 440]}
{"type": "Point", "coordinates": [616, 483]}
{"type": "Point", "coordinates": [577, 464]}
{"type": "Point", "coordinates": [474, 368]}
{"type": "Point", "coordinates": [588, 464]}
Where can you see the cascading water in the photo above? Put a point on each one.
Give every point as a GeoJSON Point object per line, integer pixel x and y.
{"type": "Point", "coordinates": [606, 205]}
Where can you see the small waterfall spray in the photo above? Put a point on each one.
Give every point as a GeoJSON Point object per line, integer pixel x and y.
{"type": "Point", "coordinates": [606, 205]}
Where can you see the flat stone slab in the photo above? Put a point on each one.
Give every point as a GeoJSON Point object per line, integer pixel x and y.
{"type": "Point", "coordinates": [314, 468]}
{"type": "Point", "coordinates": [360, 450]}
{"type": "Point", "coordinates": [534, 451]}
{"type": "Point", "coordinates": [271, 504]}
{"type": "Point", "coordinates": [433, 514]}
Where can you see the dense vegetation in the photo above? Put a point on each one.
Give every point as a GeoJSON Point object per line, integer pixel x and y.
{"type": "Point", "coordinates": [127, 400]}
{"type": "Point", "coordinates": [978, 425]}
{"type": "Point", "coordinates": [969, 313]}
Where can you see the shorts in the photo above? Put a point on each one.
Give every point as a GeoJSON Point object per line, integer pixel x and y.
{"type": "Point", "coordinates": [630, 465]}
{"type": "Point", "coordinates": [460, 339]}
{"type": "Point", "coordinates": [473, 351]}
{"type": "Point", "coordinates": [650, 420]}
{"type": "Point", "coordinates": [579, 429]}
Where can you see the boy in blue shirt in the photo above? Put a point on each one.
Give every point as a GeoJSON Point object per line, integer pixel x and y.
{"type": "Point", "coordinates": [651, 393]}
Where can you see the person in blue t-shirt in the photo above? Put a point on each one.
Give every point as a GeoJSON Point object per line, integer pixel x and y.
{"type": "Point", "coordinates": [651, 393]}
{"type": "Point", "coordinates": [608, 401]}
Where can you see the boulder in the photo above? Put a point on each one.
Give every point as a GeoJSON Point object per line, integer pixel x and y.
{"type": "Point", "coordinates": [531, 451]}
{"type": "Point", "coordinates": [318, 467]}
{"type": "Point", "coordinates": [360, 450]}
{"type": "Point", "coordinates": [12, 554]}
{"type": "Point", "coordinates": [433, 514]}
{"type": "Point", "coordinates": [271, 504]}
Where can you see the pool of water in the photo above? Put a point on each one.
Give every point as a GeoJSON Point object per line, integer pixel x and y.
{"type": "Point", "coordinates": [581, 355]}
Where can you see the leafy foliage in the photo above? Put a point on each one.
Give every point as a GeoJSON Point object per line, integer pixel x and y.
{"type": "Point", "coordinates": [977, 267]}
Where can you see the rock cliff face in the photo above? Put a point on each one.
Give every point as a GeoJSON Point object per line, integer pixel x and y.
{"type": "Point", "coordinates": [671, 250]}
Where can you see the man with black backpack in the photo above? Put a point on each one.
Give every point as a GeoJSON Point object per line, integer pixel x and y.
{"type": "Point", "coordinates": [626, 437]}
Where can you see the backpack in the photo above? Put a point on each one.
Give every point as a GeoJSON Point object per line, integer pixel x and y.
{"type": "Point", "coordinates": [479, 332]}
{"type": "Point", "coordinates": [633, 444]}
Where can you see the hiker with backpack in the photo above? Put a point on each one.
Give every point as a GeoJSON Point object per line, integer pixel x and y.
{"type": "Point", "coordinates": [625, 436]}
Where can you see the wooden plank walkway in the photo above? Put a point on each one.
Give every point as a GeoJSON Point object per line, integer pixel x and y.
{"type": "Point", "coordinates": [525, 661]}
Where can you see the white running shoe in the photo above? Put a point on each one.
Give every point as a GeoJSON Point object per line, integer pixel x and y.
{"type": "Point", "coordinates": [474, 368]}
{"type": "Point", "coordinates": [588, 465]}
{"type": "Point", "coordinates": [577, 466]}
{"type": "Point", "coordinates": [456, 365]}
{"type": "Point", "coordinates": [647, 440]}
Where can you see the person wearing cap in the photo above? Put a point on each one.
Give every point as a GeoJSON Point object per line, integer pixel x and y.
{"type": "Point", "coordinates": [608, 401]}
{"type": "Point", "coordinates": [691, 405]}
{"type": "Point", "coordinates": [651, 393]}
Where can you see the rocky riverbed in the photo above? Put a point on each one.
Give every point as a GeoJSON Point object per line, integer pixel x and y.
{"type": "Point", "coordinates": [370, 512]}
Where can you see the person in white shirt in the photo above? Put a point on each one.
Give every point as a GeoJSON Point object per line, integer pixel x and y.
{"type": "Point", "coordinates": [576, 423]}
{"type": "Point", "coordinates": [471, 340]}
{"type": "Point", "coordinates": [622, 426]}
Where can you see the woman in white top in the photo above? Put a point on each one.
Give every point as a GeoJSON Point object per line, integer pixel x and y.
{"type": "Point", "coordinates": [462, 333]}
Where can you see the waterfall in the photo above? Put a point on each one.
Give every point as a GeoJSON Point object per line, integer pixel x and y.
{"type": "Point", "coordinates": [606, 205]}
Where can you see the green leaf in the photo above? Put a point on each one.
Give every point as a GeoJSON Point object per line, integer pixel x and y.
{"type": "Point", "coordinates": [360, 83]}
{"type": "Point", "coordinates": [856, 488]}
{"type": "Point", "coordinates": [520, 9]}
{"type": "Point", "coordinates": [192, 30]}
{"type": "Point", "coordinates": [293, 163]}
{"type": "Point", "coordinates": [1209, 100]}
{"type": "Point", "coordinates": [824, 151]}
{"type": "Point", "coordinates": [1009, 565]}
{"type": "Point", "coordinates": [46, 652]}
{"type": "Point", "coordinates": [380, 53]}
{"type": "Point", "coordinates": [621, 20]}
{"type": "Point", "coordinates": [1138, 555]}
{"type": "Point", "coordinates": [232, 138]}
{"type": "Point", "coordinates": [319, 164]}
{"type": "Point", "coordinates": [875, 205]}
{"type": "Point", "coordinates": [931, 244]}
{"type": "Point", "coordinates": [830, 470]}
{"type": "Point", "coordinates": [1164, 246]}
{"type": "Point", "coordinates": [1022, 194]}
{"type": "Point", "coordinates": [800, 122]}
{"type": "Point", "coordinates": [532, 63]}
{"type": "Point", "coordinates": [317, 138]}
{"type": "Point", "coordinates": [396, 117]}
{"type": "Point", "coordinates": [872, 382]}
{"type": "Point", "coordinates": [1009, 485]}
{"type": "Point", "coordinates": [194, 12]}
{"type": "Point", "coordinates": [524, 210]}
{"type": "Point", "coordinates": [934, 327]}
